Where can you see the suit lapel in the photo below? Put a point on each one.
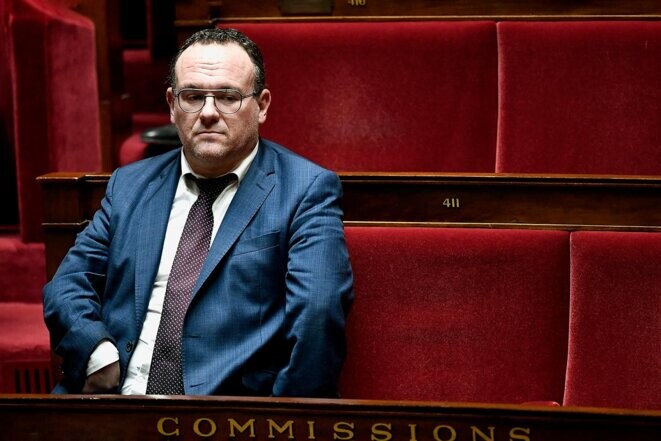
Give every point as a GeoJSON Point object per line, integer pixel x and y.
{"type": "Point", "coordinates": [252, 192]}
{"type": "Point", "coordinates": [151, 231]}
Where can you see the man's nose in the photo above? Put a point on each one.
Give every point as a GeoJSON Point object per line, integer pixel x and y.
{"type": "Point", "coordinates": [209, 108]}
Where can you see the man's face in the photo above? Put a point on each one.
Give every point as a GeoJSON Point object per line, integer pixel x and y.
{"type": "Point", "coordinates": [214, 143]}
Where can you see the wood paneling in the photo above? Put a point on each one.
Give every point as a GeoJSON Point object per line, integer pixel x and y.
{"type": "Point", "coordinates": [192, 15]}
{"type": "Point", "coordinates": [567, 202]}
{"type": "Point", "coordinates": [60, 418]}
{"type": "Point", "coordinates": [421, 8]}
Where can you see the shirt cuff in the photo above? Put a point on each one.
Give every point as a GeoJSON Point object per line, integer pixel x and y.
{"type": "Point", "coordinates": [105, 353]}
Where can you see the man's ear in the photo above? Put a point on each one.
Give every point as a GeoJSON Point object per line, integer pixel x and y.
{"type": "Point", "coordinates": [169, 96]}
{"type": "Point", "coordinates": [263, 101]}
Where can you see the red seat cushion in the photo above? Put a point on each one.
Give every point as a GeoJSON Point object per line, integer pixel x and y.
{"type": "Point", "coordinates": [615, 323]}
{"type": "Point", "coordinates": [457, 314]}
{"type": "Point", "coordinates": [579, 97]}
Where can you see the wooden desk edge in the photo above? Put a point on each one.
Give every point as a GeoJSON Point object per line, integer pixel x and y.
{"type": "Point", "coordinates": [323, 403]}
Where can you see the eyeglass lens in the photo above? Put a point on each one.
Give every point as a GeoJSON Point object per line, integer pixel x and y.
{"type": "Point", "coordinates": [226, 100]}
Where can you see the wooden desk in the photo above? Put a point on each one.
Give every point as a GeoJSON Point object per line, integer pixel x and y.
{"type": "Point", "coordinates": [81, 418]}
{"type": "Point", "coordinates": [567, 202]}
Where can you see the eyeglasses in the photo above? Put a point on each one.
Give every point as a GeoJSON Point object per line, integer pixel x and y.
{"type": "Point", "coordinates": [227, 101]}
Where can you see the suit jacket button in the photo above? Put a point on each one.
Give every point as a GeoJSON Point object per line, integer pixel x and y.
{"type": "Point", "coordinates": [129, 346]}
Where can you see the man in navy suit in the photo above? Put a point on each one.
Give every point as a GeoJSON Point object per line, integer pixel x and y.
{"type": "Point", "coordinates": [267, 312]}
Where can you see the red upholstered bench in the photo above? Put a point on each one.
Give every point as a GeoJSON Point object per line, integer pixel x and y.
{"type": "Point", "coordinates": [24, 341]}
{"type": "Point", "coordinates": [22, 270]}
{"type": "Point", "coordinates": [56, 104]}
{"type": "Point", "coordinates": [615, 320]}
{"type": "Point", "coordinates": [457, 314]}
{"type": "Point", "coordinates": [24, 349]}
{"type": "Point", "coordinates": [579, 97]}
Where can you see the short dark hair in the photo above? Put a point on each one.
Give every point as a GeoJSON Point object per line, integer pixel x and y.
{"type": "Point", "coordinates": [224, 36]}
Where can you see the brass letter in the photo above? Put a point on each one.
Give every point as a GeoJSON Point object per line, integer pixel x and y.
{"type": "Point", "coordinates": [311, 430]}
{"type": "Point", "coordinates": [413, 432]}
{"type": "Point", "coordinates": [343, 428]}
{"type": "Point", "coordinates": [161, 429]}
{"type": "Point", "coordinates": [453, 433]}
{"type": "Point", "coordinates": [212, 427]}
{"type": "Point", "coordinates": [376, 430]}
{"type": "Point", "coordinates": [235, 425]}
{"type": "Point", "coordinates": [515, 435]}
{"type": "Point", "coordinates": [288, 425]}
{"type": "Point", "coordinates": [477, 431]}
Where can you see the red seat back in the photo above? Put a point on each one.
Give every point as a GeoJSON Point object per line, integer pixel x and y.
{"type": "Point", "coordinates": [615, 321]}
{"type": "Point", "coordinates": [579, 97]}
{"type": "Point", "coordinates": [383, 96]}
{"type": "Point", "coordinates": [55, 100]}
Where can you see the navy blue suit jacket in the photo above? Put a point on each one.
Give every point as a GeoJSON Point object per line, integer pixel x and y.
{"type": "Point", "coordinates": [268, 312]}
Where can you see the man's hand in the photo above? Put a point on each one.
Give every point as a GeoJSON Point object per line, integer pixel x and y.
{"type": "Point", "coordinates": [103, 381]}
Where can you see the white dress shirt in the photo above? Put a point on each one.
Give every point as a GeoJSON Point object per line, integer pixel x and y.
{"type": "Point", "coordinates": [185, 195]}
